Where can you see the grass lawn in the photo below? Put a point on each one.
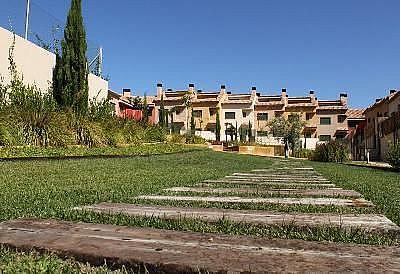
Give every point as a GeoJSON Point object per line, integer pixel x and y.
{"type": "Point", "coordinates": [50, 188]}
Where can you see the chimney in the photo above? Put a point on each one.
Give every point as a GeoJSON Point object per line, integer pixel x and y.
{"type": "Point", "coordinates": [253, 91]}
{"type": "Point", "coordinates": [377, 100]}
{"type": "Point", "coordinates": [199, 91]}
{"type": "Point", "coordinates": [312, 95]}
{"type": "Point", "coordinates": [159, 90]}
{"type": "Point", "coordinates": [284, 93]}
{"type": "Point", "coordinates": [223, 89]}
{"type": "Point", "coordinates": [169, 90]}
{"type": "Point", "coordinates": [126, 92]}
{"type": "Point", "coordinates": [392, 91]}
{"type": "Point", "coordinates": [191, 88]}
{"type": "Point", "coordinates": [343, 98]}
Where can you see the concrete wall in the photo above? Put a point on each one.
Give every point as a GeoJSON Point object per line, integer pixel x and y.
{"type": "Point", "coordinates": [36, 64]}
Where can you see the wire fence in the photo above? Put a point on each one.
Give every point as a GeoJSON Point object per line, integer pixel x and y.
{"type": "Point", "coordinates": [45, 30]}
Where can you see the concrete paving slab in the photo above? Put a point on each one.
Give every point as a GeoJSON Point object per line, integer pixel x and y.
{"type": "Point", "coordinates": [270, 184]}
{"type": "Point", "coordinates": [185, 252]}
{"type": "Point", "coordinates": [278, 200]}
{"type": "Point", "coordinates": [304, 192]}
{"type": "Point", "coordinates": [368, 222]}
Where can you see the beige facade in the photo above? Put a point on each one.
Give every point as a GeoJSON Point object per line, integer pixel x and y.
{"type": "Point", "coordinates": [382, 125]}
{"type": "Point", "coordinates": [324, 119]}
{"type": "Point", "coordinates": [36, 64]}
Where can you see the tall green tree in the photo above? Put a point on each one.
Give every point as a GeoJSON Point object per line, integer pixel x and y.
{"type": "Point", "coordinates": [218, 127]}
{"type": "Point", "coordinates": [192, 123]}
{"type": "Point", "coordinates": [161, 115]}
{"type": "Point", "coordinates": [70, 75]}
{"type": "Point", "coordinates": [145, 109]}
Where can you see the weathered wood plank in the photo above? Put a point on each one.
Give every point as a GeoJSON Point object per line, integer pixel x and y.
{"type": "Point", "coordinates": [184, 252]}
{"type": "Point", "coordinates": [368, 222]}
{"type": "Point", "coordinates": [260, 183]}
{"type": "Point", "coordinates": [284, 200]}
{"type": "Point", "coordinates": [261, 178]}
{"type": "Point", "coordinates": [303, 192]}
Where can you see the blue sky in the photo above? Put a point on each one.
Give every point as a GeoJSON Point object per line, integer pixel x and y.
{"type": "Point", "coordinates": [326, 46]}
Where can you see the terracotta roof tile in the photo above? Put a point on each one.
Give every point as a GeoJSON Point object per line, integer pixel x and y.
{"type": "Point", "coordinates": [355, 113]}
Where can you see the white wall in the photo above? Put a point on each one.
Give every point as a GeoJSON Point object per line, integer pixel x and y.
{"type": "Point", "coordinates": [36, 65]}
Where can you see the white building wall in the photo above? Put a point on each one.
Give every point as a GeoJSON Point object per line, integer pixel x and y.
{"type": "Point", "coordinates": [36, 64]}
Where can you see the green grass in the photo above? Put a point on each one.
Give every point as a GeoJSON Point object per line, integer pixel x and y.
{"type": "Point", "coordinates": [50, 188]}
{"type": "Point", "coordinates": [380, 187]}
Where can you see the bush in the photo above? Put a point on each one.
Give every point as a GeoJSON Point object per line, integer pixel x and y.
{"type": "Point", "coordinates": [393, 156]}
{"type": "Point", "coordinates": [176, 139]}
{"type": "Point", "coordinates": [334, 151]}
{"type": "Point", "coordinates": [303, 153]}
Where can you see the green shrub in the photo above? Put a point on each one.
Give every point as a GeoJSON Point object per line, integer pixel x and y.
{"type": "Point", "coordinates": [303, 153]}
{"type": "Point", "coordinates": [393, 156]}
{"type": "Point", "coordinates": [176, 139]}
{"type": "Point", "coordinates": [334, 151]}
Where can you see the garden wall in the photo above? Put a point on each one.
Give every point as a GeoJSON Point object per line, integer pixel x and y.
{"type": "Point", "coordinates": [36, 65]}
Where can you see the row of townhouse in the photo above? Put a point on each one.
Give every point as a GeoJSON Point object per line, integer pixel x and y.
{"type": "Point", "coordinates": [380, 128]}
{"type": "Point", "coordinates": [325, 119]}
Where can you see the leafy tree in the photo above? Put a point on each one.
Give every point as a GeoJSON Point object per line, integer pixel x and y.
{"type": "Point", "coordinates": [289, 129]}
{"type": "Point", "coordinates": [136, 102]}
{"type": "Point", "coordinates": [161, 119]}
{"type": "Point", "coordinates": [218, 127]}
{"type": "Point", "coordinates": [70, 75]}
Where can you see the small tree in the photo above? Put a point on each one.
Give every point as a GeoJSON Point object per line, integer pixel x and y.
{"type": "Point", "coordinates": [249, 132]}
{"type": "Point", "coordinates": [161, 118]}
{"type": "Point", "coordinates": [192, 123]}
{"type": "Point", "coordinates": [145, 110]}
{"type": "Point", "coordinates": [394, 155]}
{"type": "Point", "coordinates": [218, 127]}
{"type": "Point", "coordinates": [289, 129]}
{"type": "Point", "coordinates": [70, 76]}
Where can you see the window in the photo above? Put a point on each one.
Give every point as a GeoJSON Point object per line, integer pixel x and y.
{"type": "Point", "coordinates": [244, 114]}
{"type": "Point", "coordinates": [229, 115]}
{"type": "Point", "coordinates": [341, 118]}
{"type": "Point", "coordinates": [325, 120]}
{"type": "Point", "coordinates": [262, 116]}
{"type": "Point", "coordinates": [324, 138]}
{"type": "Point", "coordinates": [197, 113]}
{"type": "Point", "coordinates": [213, 111]}
{"type": "Point", "coordinates": [307, 135]}
{"type": "Point", "coordinates": [309, 116]}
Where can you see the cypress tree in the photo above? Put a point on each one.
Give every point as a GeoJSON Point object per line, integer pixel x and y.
{"type": "Point", "coordinates": [145, 110]}
{"type": "Point", "coordinates": [70, 76]}
{"type": "Point", "coordinates": [192, 123]}
{"type": "Point", "coordinates": [57, 81]}
{"type": "Point", "coordinates": [250, 131]}
{"type": "Point", "coordinates": [218, 127]}
{"type": "Point", "coordinates": [161, 118]}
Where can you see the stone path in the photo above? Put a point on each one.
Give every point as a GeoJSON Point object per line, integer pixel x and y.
{"type": "Point", "coordinates": [332, 192]}
{"type": "Point", "coordinates": [369, 222]}
{"type": "Point", "coordinates": [261, 183]}
{"type": "Point", "coordinates": [283, 201]}
{"type": "Point", "coordinates": [185, 252]}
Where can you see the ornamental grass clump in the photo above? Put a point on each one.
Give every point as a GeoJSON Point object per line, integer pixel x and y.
{"type": "Point", "coordinates": [335, 151]}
